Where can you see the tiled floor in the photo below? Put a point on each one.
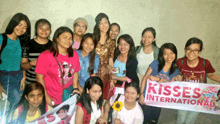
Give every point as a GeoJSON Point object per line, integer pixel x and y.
{"type": "Point", "coordinates": [169, 116]}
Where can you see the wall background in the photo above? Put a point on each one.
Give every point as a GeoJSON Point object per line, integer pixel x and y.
{"type": "Point", "coordinates": [174, 21]}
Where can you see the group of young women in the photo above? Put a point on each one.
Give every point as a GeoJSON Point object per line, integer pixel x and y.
{"type": "Point", "coordinates": [53, 70]}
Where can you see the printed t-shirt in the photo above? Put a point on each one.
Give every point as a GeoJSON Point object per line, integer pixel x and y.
{"type": "Point", "coordinates": [32, 51]}
{"type": "Point", "coordinates": [47, 66]}
{"type": "Point", "coordinates": [84, 64]}
{"type": "Point", "coordinates": [196, 74]}
{"type": "Point", "coordinates": [11, 55]}
{"type": "Point", "coordinates": [122, 68]}
{"type": "Point", "coordinates": [144, 60]}
{"type": "Point", "coordinates": [163, 75]}
{"type": "Point", "coordinates": [134, 116]}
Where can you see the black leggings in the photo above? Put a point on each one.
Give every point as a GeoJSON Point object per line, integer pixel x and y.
{"type": "Point", "coordinates": [151, 114]}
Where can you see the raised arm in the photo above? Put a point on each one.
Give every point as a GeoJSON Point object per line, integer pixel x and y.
{"type": "Point", "coordinates": [143, 83]}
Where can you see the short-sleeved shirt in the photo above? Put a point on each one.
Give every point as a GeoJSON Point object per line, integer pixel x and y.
{"type": "Point", "coordinates": [163, 75]}
{"type": "Point", "coordinates": [84, 64]}
{"type": "Point", "coordinates": [122, 68]}
{"type": "Point", "coordinates": [134, 116]}
{"type": "Point", "coordinates": [144, 60]}
{"type": "Point", "coordinates": [48, 66]}
{"type": "Point", "coordinates": [32, 52]}
{"type": "Point", "coordinates": [11, 55]}
{"type": "Point", "coordinates": [196, 74]}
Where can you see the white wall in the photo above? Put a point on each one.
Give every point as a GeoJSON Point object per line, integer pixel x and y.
{"type": "Point", "coordinates": [174, 20]}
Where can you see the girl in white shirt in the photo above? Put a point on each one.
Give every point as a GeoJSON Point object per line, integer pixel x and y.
{"type": "Point", "coordinates": [131, 112]}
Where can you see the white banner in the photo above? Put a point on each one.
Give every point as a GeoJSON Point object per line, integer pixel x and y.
{"type": "Point", "coordinates": [198, 97]}
{"type": "Point", "coordinates": [62, 114]}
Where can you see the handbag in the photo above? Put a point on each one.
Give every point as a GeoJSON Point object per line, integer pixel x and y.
{"type": "Point", "coordinates": [111, 110]}
{"type": "Point", "coordinates": [67, 91]}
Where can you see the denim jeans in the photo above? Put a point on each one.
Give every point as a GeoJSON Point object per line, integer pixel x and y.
{"type": "Point", "coordinates": [11, 84]}
{"type": "Point", "coordinates": [189, 117]}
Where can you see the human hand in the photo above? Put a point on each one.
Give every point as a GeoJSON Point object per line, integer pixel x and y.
{"type": "Point", "coordinates": [76, 91]}
{"type": "Point", "coordinates": [178, 78]}
{"type": "Point", "coordinates": [1, 90]}
{"type": "Point", "coordinates": [141, 99]}
{"type": "Point", "coordinates": [154, 78]}
{"type": "Point", "coordinates": [102, 120]}
{"type": "Point", "coordinates": [113, 76]}
{"type": "Point", "coordinates": [22, 85]}
{"type": "Point", "coordinates": [33, 63]}
{"type": "Point", "coordinates": [117, 121]}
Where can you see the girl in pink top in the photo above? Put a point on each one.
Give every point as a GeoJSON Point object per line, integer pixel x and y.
{"type": "Point", "coordinates": [57, 68]}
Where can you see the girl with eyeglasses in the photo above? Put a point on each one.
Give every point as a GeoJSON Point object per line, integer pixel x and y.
{"type": "Point", "coordinates": [193, 69]}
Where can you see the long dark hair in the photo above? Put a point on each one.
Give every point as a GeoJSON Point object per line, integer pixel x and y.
{"type": "Point", "coordinates": [152, 30]}
{"type": "Point", "coordinates": [15, 20]}
{"type": "Point", "coordinates": [161, 60]}
{"type": "Point", "coordinates": [130, 41]}
{"type": "Point", "coordinates": [96, 30]}
{"type": "Point", "coordinates": [85, 99]}
{"type": "Point", "coordinates": [25, 105]}
{"type": "Point", "coordinates": [54, 48]}
{"type": "Point", "coordinates": [92, 53]}
{"type": "Point", "coordinates": [41, 22]}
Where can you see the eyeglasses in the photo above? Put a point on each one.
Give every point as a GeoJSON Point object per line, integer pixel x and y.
{"type": "Point", "coordinates": [82, 27]}
{"type": "Point", "coordinates": [195, 51]}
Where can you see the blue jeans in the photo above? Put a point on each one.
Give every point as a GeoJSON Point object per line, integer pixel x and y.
{"type": "Point", "coordinates": [11, 84]}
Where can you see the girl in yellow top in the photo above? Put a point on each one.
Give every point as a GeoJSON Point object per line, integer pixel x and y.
{"type": "Point", "coordinates": [31, 106]}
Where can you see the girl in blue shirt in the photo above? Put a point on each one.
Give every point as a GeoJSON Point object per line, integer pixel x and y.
{"type": "Point", "coordinates": [89, 61]}
{"type": "Point", "coordinates": [162, 70]}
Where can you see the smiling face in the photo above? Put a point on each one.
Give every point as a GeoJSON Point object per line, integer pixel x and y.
{"type": "Point", "coordinates": [35, 98]}
{"type": "Point", "coordinates": [123, 46]}
{"type": "Point", "coordinates": [62, 114]}
{"type": "Point", "coordinates": [131, 94]}
{"type": "Point", "coordinates": [114, 31]}
{"type": "Point", "coordinates": [147, 38]}
{"type": "Point", "coordinates": [168, 55]}
{"type": "Point", "coordinates": [104, 25]}
{"type": "Point", "coordinates": [43, 31]}
{"type": "Point", "coordinates": [20, 29]}
{"type": "Point", "coordinates": [192, 51]}
{"type": "Point", "coordinates": [80, 28]}
{"type": "Point", "coordinates": [88, 45]}
{"type": "Point", "coordinates": [95, 92]}
{"type": "Point", "coordinates": [64, 40]}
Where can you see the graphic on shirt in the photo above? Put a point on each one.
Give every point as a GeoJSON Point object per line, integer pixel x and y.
{"type": "Point", "coordinates": [165, 77]}
{"type": "Point", "coordinates": [209, 95]}
{"type": "Point", "coordinates": [67, 71]}
{"type": "Point", "coordinates": [193, 76]}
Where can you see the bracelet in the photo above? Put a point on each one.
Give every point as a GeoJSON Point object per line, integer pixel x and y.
{"type": "Point", "coordinates": [75, 89]}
